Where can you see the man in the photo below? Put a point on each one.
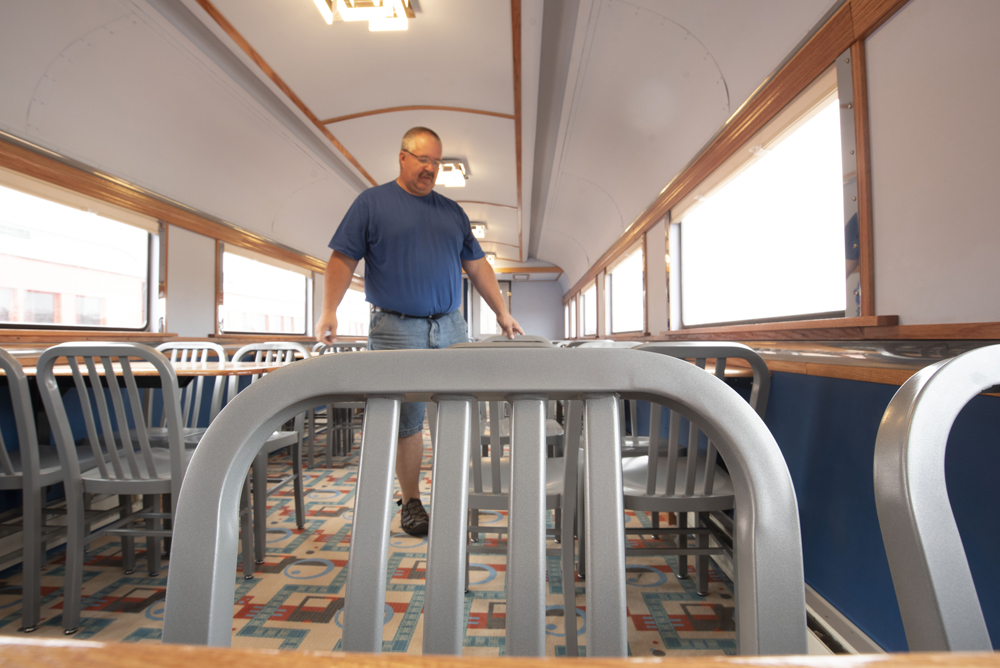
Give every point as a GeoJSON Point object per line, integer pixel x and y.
{"type": "Point", "coordinates": [415, 243]}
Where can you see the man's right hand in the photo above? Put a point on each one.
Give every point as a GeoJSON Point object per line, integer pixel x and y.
{"type": "Point", "coordinates": [326, 327]}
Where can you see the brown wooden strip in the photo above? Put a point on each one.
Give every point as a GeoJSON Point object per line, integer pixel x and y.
{"type": "Point", "coordinates": [866, 231]}
{"type": "Point", "coordinates": [870, 14]}
{"type": "Point", "coordinates": [416, 107]}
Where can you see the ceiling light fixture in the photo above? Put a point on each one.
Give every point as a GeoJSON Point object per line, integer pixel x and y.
{"type": "Point", "coordinates": [491, 258]}
{"type": "Point", "coordinates": [479, 230]}
{"type": "Point", "coordinates": [453, 173]}
{"type": "Point", "coordinates": [381, 14]}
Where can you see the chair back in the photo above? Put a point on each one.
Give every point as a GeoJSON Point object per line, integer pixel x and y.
{"type": "Point", "coordinates": [108, 392]}
{"type": "Point", "coordinates": [11, 476]}
{"type": "Point", "coordinates": [934, 587]}
{"type": "Point", "coordinates": [698, 480]}
{"type": "Point", "coordinates": [346, 347]}
{"type": "Point", "coordinates": [770, 588]}
{"type": "Point", "coordinates": [191, 395]}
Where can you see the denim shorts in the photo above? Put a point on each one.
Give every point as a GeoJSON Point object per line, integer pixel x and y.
{"type": "Point", "coordinates": [395, 332]}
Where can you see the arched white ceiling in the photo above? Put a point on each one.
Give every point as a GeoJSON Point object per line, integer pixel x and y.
{"type": "Point", "coordinates": [164, 95]}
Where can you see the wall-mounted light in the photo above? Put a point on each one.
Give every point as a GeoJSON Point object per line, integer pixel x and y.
{"type": "Point", "coordinates": [453, 173]}
{"type": "Point", "coordinates": [479, 230]}
{"type": "Point", "coordinates": [491, 258]}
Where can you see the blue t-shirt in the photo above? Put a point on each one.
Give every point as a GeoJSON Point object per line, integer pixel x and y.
{"type": "Point", "coordinates": [413, 248]}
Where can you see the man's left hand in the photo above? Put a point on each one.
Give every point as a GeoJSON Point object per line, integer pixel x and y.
{"type": "Point", "coordinates": [509, 326]}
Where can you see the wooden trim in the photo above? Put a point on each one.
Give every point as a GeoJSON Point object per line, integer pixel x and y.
{"type": "Point", "coordinates": [527, 270]}
{"type": "Point", "coordinates": [271, 74]}
{"type": "Point", "coordinates": [870, 14]}
{"type": "Point", "coordinates": [472, 201]}
{"type": "Point", "coordinates": [829, 41]}
{"type": "Point", "coordinates": [866, 230]}
{"type": "Point", "coordinates": [515, 20]}
{"type": "Point", "coordinates": [122, 193]}
{"type": "Point", "coordinates": [979, 331]}
{"type": "Point", "coordinates": [50, 337]}
{"type": "Point", "coordinates": [866, 374]}
{"type": "Point", "coordinates": [417, 107]}
{"type": "Point", "coordinates": [256, 338]}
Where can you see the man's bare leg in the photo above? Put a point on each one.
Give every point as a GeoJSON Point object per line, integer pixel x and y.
{"type": "Point", "coordinates": [409, 455]}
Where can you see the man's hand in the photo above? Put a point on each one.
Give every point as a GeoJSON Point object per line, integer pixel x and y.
{"type": "Point", "coordinates": [508, 325]}
{"type": "Point", "coordinates": [326, 327]}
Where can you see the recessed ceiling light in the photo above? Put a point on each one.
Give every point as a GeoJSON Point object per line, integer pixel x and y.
{"type": "Point", "coordinates": [491, 258]}
{"type": "Point", "coordinates": [479, 230]}
{"type": "Point", "coordinates": [453, 173]}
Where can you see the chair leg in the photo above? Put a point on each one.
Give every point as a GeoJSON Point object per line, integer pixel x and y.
{"type": "Point", "coordinates": [259, 475]}
{"type": "Point", "coordinates": [246, 530]}
{"type": "Point", "coordinates": [474, 535]}
{"type": "Point", "coordinates": [297, 484]}
{"type": "Point", "coordinates": [73, 582]}
{"type": "Point", "coordinates": [329, 436]}
{"type": "Point", "coordinates": [311, 430]}
{"type": "Point", "coordinates": [682, 541]}
{"type": "Point", "coordinates": [702, 561]}
{"type": "Point", "coordinates": [31, 582]}
{"type": "Point", "coordinates": [557, 523]}
{"type": "Point", "coordinates": [569, 585]}
{"type": "Point", "coordinates": [581, 532]}
{"type": "Point", "coordinates": [153, 553]}
{"type": "Point", "coordinates": [655, 517]}
{"type": "Point", "coordinates": [128, 543]}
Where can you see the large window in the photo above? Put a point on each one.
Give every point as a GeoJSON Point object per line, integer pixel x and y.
{"type": "Point", "coordinates": [626, 289]}
{"type": "Point", "coordinates": [260, 297]}
{"type": "Point", "coordinates": [588, 310]}
{"type": "Point", "coordinates": [65, 267]}
{"type": "Point", "coordinates": [768, 241]}
{"type": "Point", "coordinates": [353, 314]}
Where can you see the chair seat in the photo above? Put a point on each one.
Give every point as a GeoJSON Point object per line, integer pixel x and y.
{"type": "Point", "coordinates": [553, 482]}
{"type": "Point", "coordinates": [49, 468]}
{"type": "Point", "coordinates": [93, 482]}
{"type": "Point", "coordinates": [634, 473]}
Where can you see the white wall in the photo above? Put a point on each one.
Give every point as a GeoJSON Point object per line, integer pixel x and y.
{"type": "Point", "coordinates": [932, 77]}
{"type": "Point", "coordinates": [537, 306]}
{"type": "Point", "coordinates": [190, 283]}
{"type": "Point", "coordinates": [656, 278]}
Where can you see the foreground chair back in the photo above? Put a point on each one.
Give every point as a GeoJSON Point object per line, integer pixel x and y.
{"type": "Point", "coordinates": [937, 597]}
{"type": "Point", "coordinates": [770, 587]}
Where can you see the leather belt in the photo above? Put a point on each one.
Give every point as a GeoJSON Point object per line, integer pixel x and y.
{"type": "Point", "coordinates": [436, 316]}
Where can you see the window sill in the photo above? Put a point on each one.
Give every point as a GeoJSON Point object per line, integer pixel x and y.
{"type": "Point", "coordinates": [870, 328]}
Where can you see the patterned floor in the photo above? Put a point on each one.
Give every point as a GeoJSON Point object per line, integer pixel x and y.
{"type": "Point", "coordinates": [296, 599]}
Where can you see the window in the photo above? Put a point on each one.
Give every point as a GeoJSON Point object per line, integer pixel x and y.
{"type": "Point", "coordinates": [258, 296]}
{"type": "Point", "coordinates": [588, 310]}
{"type": "Point", "coordinates": [89, 310]}
{"type": "Point", "coordinates": [50, 254]}
{"type": "Point", "coordinates": [626, 288]}
{"type": "Point", "coordinates": [566, 321]}
{"type": "Point", "coordinates": [572, 318]}
{"type": "Point", "coordinates": [768, 241]}
{"type": "Point", "coordinates": [353, 314]}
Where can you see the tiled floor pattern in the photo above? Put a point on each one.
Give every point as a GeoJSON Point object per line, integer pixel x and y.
{"type": "Point", "coordinates": [296, 599]}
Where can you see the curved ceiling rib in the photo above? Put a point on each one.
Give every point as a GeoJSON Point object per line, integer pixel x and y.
{"type": "Point", "coordinates": [417, 107]}
{"type": "Point", "coordinates": [256, 57]}
{"type": "Point", "coordinates": [472, 201]}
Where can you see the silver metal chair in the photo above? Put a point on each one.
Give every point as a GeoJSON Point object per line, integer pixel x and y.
{"type": "Point", "coordinates": [191, 395]}
{"type": "Point", "coordinates": [682, 482]}
{"type": "Point", "coordinates": [124, 466]}
{"type": "Point", "coordinates": [769, 588]}
{"type": "Point", "coordinates": [29, 468]}
{"type": "Point", "coordinates": [341, 418]}
{"type": "Point", "coordinates": [934, 587]}
{"type": "Point", "coordinates": [262, 485]}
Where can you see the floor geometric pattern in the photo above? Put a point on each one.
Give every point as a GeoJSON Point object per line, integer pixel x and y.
{"type": "Point", "coordinates": [295, 600]}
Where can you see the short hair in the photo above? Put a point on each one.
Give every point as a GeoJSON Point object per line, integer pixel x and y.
{"type": "Point", "coordinates": [413, 133]}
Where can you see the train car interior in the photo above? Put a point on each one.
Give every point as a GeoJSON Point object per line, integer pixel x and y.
{"type": "Point", "coordinates": [795, 196]}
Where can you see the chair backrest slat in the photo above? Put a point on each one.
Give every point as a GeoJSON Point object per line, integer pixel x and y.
{"type": "Point", "coordinates": [27, 439]}
{"type": "Point", "coordinates": [135, 403]}
{"type": "Point", "coordinates": [103, 418]}
{"type": "Point", "coordinates": [122, 421]}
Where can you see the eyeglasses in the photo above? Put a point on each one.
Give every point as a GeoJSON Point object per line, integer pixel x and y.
{"type": "Point", "coordinates": [424, 160]}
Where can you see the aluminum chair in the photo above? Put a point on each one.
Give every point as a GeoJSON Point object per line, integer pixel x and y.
{"type": "Point", "coordinates": [769, 587]}
{"type": "Point", "coordinates": [934, 587]}
{"type": "Point", "coordinates": [262, 485]}
{"type": "Point", "coordinates": [341, 418]}
{"type": "Point", "coordinates": [124, 466]}
{"type": "Point", "coordinates": [204, 352]}
{"type": "Point", "coordinates": [29, 468]}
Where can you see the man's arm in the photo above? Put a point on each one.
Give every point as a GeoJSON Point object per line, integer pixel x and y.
{"type": "Point", "coordinates": [336, 281]}
{"type": "Point", "coordinates": [485, 281]}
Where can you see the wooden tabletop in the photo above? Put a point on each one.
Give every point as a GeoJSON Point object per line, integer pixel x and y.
{"type": "Point", "coordinates": [20, 652]}
{"type": "Point", "coordinates": [180, 368]}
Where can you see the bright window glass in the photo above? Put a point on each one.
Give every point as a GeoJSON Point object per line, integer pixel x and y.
{"type": "Point", "coordinates": [487, 319]}
{"type": "Point", "coordinates": [769, 243]}
{"type": "Point", "coordinates": [260, 297]}
{"type": "Point", "coordinates": [57, 262]}
{"type": "Point", "coordinates": [588, 311]}
{"type": "Point", "coordinates": [566, 321]}
{"type": "Point", "coordinates": [353, 314]}
{"type": "Point", "coordinates": [627, 294]}
{"type": "Point", "coordinates": [572, 318]}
